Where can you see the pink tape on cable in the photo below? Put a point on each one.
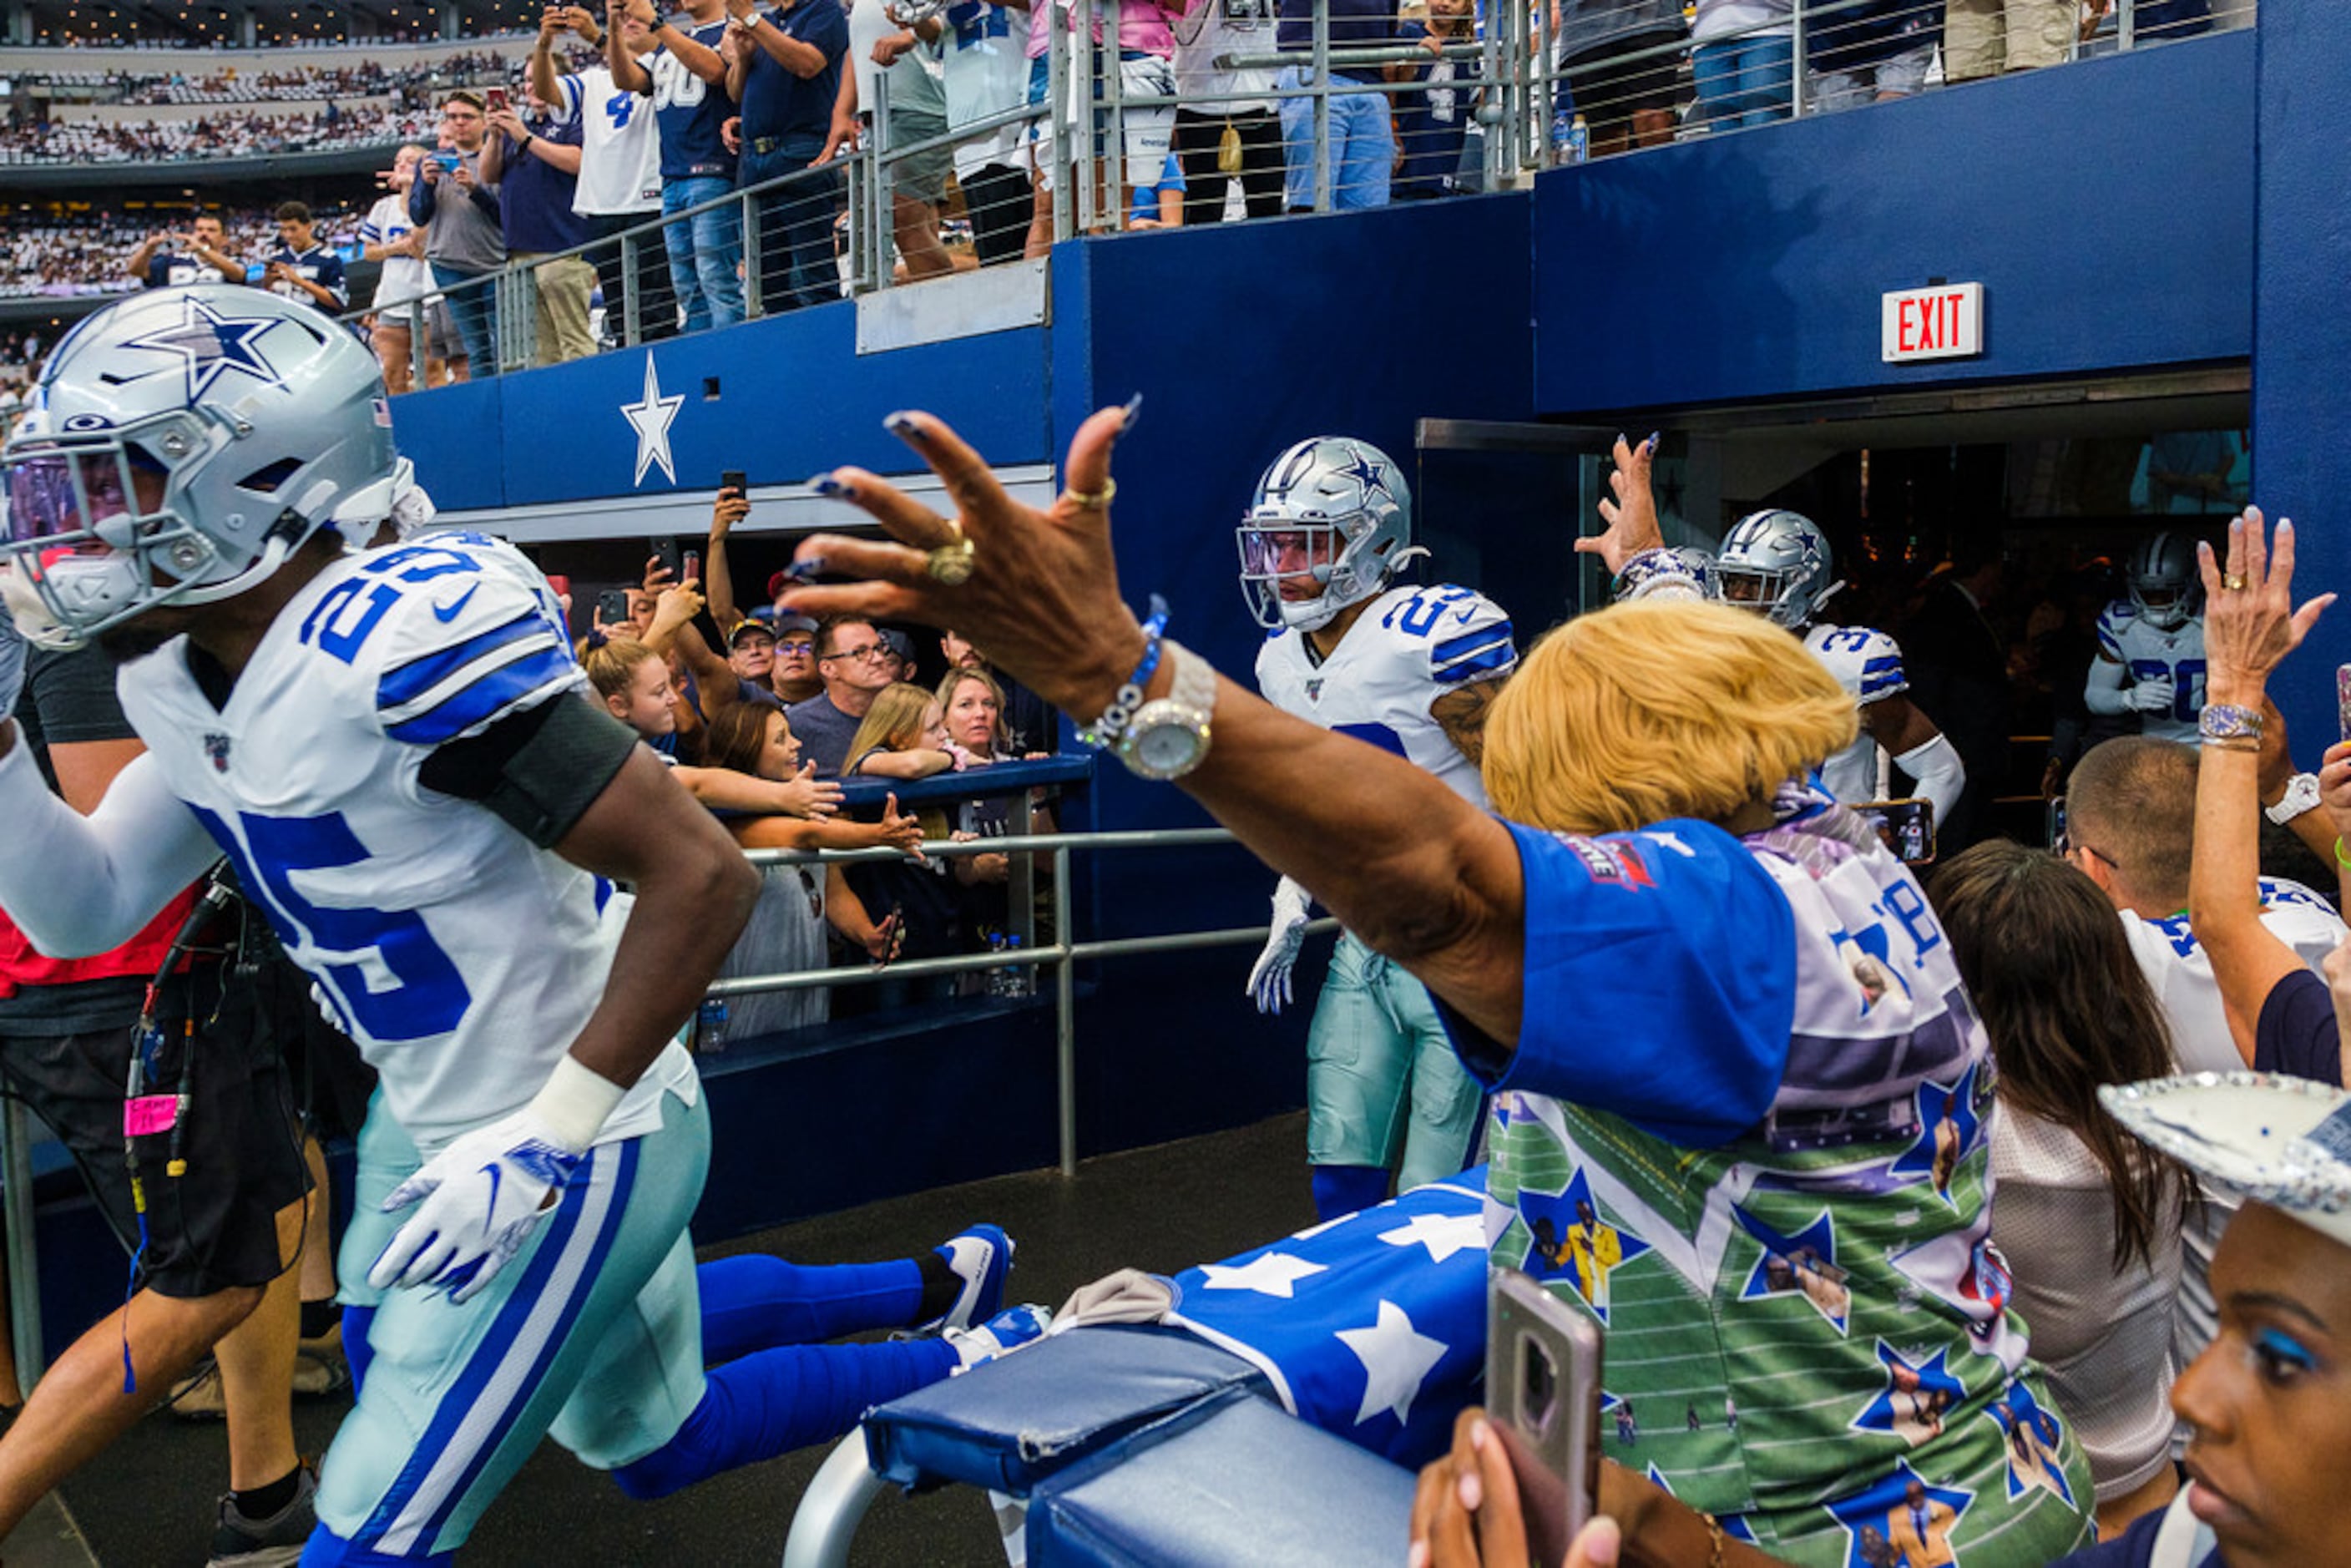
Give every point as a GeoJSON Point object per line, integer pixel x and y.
{"type": "Point", "coordinates": [149, 1114]}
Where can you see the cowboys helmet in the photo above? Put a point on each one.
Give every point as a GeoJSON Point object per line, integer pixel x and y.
{"type": "Point", "coordinates": [177, 448]}
{"type": "Point", "coordinates": [1679, 571]}
{"type": "Point", "coordinates": [1777, 563]}
{"type": "Point", "coordinates": [1331, 508]}
{"type": "Point", "coordinates": [2163, 582]}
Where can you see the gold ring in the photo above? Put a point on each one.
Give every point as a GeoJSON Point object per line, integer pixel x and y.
{"type": "Point", "coordinates": [2233, 582]}
{"type": "Point", "coordinates": [1091, 500]}
{"type": "Point", "coordinates": [951, 563]}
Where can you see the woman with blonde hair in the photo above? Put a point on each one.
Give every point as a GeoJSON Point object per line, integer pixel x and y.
{"type": "Point", "coordinates": [904, 736]}
{"type": "Point", "coordinates": [1708, 1003]}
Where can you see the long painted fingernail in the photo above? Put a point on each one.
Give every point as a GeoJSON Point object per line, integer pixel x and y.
{"type": "Point", "coordinates": [826, 484]}
{"type": "Point", "coordinates": [902, 423]}
{"type": "Point", "coordinates": [1650, 445]}
{"type": "Point", "coordinates": [1133, 412]}
{"type": "Point", "coordinates": [1470, 1489]}
{"type": "Point", "coordinates": [1623, 440]}
{"type": "Point", "coordinates": [805, 570]}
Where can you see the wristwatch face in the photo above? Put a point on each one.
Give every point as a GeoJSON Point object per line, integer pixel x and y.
{"type": "Point", "coordinates": [1168, 745]}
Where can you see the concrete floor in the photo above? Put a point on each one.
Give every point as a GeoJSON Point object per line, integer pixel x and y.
{"type": "Point", "coordinates": [150, 1501]}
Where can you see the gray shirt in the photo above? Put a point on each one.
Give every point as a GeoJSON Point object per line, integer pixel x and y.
{"type": "Point", "coordinates": [466, 234]}
{"type": "Point", "coordinates": [824, 733]}
{"type": "Point", "coordinates": [1588, 23]}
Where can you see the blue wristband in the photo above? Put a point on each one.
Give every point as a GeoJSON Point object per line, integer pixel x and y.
{"type": "Point", "coordinates": [1107, 730]}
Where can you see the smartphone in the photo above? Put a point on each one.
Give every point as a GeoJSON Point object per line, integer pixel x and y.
{"type": "Point", "coordinates": [691, 566]}
{"type": "Point", "coordinates": [1542, 1393]}
{"type": "Point", "coordinates": [612, 606]}
{"type": "Point", "coordinates": [665, 549]}
{"type": "Point", "coordinates": [494, 98]}
{"type": "Point", "coordinates": [2343, 698]}
{"type": "Point", "coordinates": [2057, 823]}
{"type": "Point", "coordinates": [735, 479]}
{"type": "Point", "coordinates": [448, 162]}
{"type": "Point", "coordinates": [1907, 826]}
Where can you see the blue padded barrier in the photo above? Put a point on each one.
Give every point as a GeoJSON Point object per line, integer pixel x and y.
{"type": "Point", "coordinates": [1242, 1484]}
{"type": "Point", "coordinates": [1012, 1424]}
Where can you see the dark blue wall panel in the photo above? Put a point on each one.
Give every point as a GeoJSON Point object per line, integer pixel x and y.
{"type": "Point", "coordinates": [2106, 208]}
{"type": "Point", "coordinates": [2302, 342]}
{"type": "Point", "coordinates": [793, 396]}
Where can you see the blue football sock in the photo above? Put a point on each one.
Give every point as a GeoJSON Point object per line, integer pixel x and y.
{"type": "Point", "coordinates": [778, 1400]}
{"type": "Point", "coordinates": [1340, 1190]}
{"type": "Point", "coordinates": [757, 1303]}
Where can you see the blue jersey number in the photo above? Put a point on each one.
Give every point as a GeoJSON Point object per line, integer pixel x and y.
{"type": "Point", "coordinates": [619, 108]}
{"type": "Point", "coordinates": [2186, 678]}
{"type": "Point", "coordinates": [342, 620]}
{"type": "Point", "coordinates": [1846, 639]}
{"type": "Point", "coordinates": [427, 996]}
{"type": "Point", "coordinates": [1419, 616]}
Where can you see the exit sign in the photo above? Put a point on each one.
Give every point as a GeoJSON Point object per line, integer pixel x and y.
{"type": "Point", "coordinates": [1944, 322]}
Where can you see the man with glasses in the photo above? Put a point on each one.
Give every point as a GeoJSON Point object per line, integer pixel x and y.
{"type": "Point", "coordinates": [464, 237]}
{"type": "Point", "coordinates": [2130, 826]}
{"type": "Point", "coordinates": [853, 662]}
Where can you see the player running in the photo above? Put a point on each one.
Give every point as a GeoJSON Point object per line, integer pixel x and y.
{"type": "Point", "coordinates": [2151, 646]}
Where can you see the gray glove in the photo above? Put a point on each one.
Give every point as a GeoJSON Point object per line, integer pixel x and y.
{"type": "Point", "coordinates": [2151, 696]}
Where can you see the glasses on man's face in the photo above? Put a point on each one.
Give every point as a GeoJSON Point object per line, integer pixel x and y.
{"type": "Point", "coordinates": [863, 651]}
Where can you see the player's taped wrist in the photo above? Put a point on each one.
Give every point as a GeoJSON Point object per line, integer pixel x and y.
{"type": "Point", "coordinates": [575, 1104]}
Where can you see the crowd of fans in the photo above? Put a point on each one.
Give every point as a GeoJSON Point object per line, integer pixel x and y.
{"type": "Point", "coordinates": [240, 85]}
{"type": "Point", "coordinates": [228, 135]}
{"type": "Point", "coordinates": [91, 255]}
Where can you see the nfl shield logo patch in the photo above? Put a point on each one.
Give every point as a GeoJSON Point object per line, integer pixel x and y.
{"type": "Point", "coordinates": [216, 748]}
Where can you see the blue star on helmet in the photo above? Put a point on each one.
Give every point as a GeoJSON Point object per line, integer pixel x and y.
{"type": "Point", "coordinates": [1371, 477]}
{"type": "Point", "coordinates": [1948, 1128]}
{"type": "Point", "coordinates": [2036, 1439]}
{"type": "Point", "coordinates": [1917, 1396]}
{"type": "Point", "coordinates": [1568, 1240]}
{"type": "Point", "coordinates": [1803, 1265]}
{"type": "Point", "coordinates": [210, 345]}
{"type": "Point", "coordinates": [1901, 1518]}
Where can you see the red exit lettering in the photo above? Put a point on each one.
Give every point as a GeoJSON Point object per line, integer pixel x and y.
{"type": "Point", "coordinates": [1922, 325]}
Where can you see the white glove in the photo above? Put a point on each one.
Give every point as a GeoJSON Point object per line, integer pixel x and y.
{"type": "Point", "coordinates": [480, 1198]}
{"type": "Point", "coordinates": [2151, 696]}
{"type": "Point", "coordinates": [1269, 982]}
{"type": "Point", "coordinates": [12, 664]}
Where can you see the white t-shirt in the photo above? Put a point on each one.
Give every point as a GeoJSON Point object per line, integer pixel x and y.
{"type": "Point", "coordinates": [620, 156]}
{"type": "Point", "coordinates": [404, 276]}
{"type": "Point", "coordinates": [1223, 27]}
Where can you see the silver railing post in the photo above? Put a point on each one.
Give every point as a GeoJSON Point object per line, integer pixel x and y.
{"type": "Point", "coordinates": [1796, 40]}
{"type": "Point", "coordinates": [420, 343]}
{"type": "Point", "coordinates": [2127, 24]}
{"type": "Point", "coordinates": [631, 290]}
{"type": "Point", "coordinates": [23, 1265]}
{"type": "Point", "coordinates": [1321, 143]}
{"type": "Point", "coordinates": [1058, 85]}
{"type": "Point", "coordinates": [1110, 59]}
{"type": "Point", "coordinates": [882, 205]}
{"type": "Point", "coordinates": [755, 298]}
{"type": "Point", "coordinates": [1065, 1015]}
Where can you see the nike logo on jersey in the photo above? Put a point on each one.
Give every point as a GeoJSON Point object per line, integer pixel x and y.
{"type": "Point", "coordinates": [445, 614]}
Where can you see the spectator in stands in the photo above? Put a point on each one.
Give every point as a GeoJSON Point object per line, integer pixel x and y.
{"type": "Point", "coordinates": [632, 683]}
{"type": "Point", "coordinates": [533, 158]}
{"type": "Point", "coordinates": [171, 259]}
{"type": "Point", "coordinates": [463, 239]}
{"type": "Point", "coordinates": [786, 931]}
{"type": "Point", "coordinates": [850, 653]}
{"type": "Point", "coordinates": [787, 74]}
{"type": "Point", "coordinates": [918, 114]}
{"type": "Point", "coordinates": [2087, 1218]}
{"type": "Point", "coordinates": [751, 654]}
{"type": "Point", "coordinates": [678, 74]}
{"type": "Point", "coordinates": [1654, 753]}
{"type": "Point", "coordinates": [986, 73]}
{"type": "Point", "coordinates": [1625, 100]}
{"type": "Point", "coordinates": [1208, 31]}
{"type": "Point", "coordinates": [1877, 51]}
{"type": "Point", "coordinates": [1433, 123]}
{"type": "Point", "coordinates": [1361, 150]}
{"type": "Point", "coordinates": [1743, 59]}
{"type": "Point", "coordinates": [1136, 150]}
{"type": "Point", "coordinates": [904, 736]}
{"type": "Point", "coordinates": [300, 267]}
{"type": "Point", "coordinates": [391, 239]}
{"type": "Point", "coordinates": [2130, 826]}
{"type": "Point", "coordinates": [620, 176]}
{"type": "Point", "coordinates": [1985, 37]}
{"type": "Point", "coordinates": [1028, 722]}
{"type": "Point", "coordinates": [2250, 624]}
{"type": "Point", "coordinates": [973, 707]}
{"type": "Point", "coordinates": [795, 674]}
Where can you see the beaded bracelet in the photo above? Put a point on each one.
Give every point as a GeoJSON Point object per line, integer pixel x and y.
{"type": "Point", "coordinates": [1110, 728]}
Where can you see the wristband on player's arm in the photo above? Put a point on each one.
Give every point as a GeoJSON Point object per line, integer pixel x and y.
{"type": "Point", "coordinates": [575, 1104]}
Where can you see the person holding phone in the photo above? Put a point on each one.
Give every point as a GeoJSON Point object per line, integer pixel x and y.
{"type": "Point", "coordinates": [464, 237]}
{"type": "Point", "coordinates": [533, 157]}
{"type": "Point", "coordinates": [685, 77]}
{"type": "Point", "coordinates": [171, 259]}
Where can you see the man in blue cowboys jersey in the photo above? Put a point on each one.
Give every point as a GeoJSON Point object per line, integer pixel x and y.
{"type": "Point", "coordinates": [2151, 645]}
{"type": "Point", "coordinates": [686, 79]}
{"type": "Point", "coordinates": [1777, 564]}
{"type": "Point", "coordinates": [390, 747]}
{"type": "Point", "coordinates": [1409, 669]}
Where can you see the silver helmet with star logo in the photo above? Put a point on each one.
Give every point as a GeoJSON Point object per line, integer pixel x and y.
{"type": "Point", "coordinates": [178, 446]}
{"type": "Point", "coordinates": [1330, 523]}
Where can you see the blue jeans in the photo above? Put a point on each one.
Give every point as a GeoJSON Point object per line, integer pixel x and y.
{"type": "Point", "coordinates": [796, 265]}
{"type": "Point", "coordinates": [1743, 81]}
{"type": "Point", "coordinates": [475, 312]}
{"type": "Point", "coordinates": [1363, 146]}
{"type": "Point", "coordinates": [703, 252]}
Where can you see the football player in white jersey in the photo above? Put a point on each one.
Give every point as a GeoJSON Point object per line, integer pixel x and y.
{"type": "Point", "coordinates": [392, 748]}
{"type": "Point", "coordinates": [1411, 670]}
{"type": "Point", "coordinates": [1777, 563]}
{"type": "Point", "coordinates": [2151, 646]}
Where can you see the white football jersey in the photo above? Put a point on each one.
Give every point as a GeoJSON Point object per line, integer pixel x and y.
{"type": "Point", "coordinates": [1868, 664]}
{"type": "Point", "coordinates": [461, 957]}
{"type": "Point", "coordinates": [1410, 647]}
{"type": "Point", "coordinates": [619, 163]}
{"type": "Point", "coordinates": [2180, 973]}
{"type": "Point", "coordinates": [2148, 653]}
{"type": "Point", "coordinates": [402, 277]}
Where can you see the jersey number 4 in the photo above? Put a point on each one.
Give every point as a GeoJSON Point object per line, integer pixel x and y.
{"type": "Point", "coordinates": [388, 975]}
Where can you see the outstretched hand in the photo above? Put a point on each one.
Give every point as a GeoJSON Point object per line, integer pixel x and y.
{"type": "Point", "coordinates": [1042, 593]}
{"type": "Point", "coordinates": [1632, 515]}
{"type": "Point", "coordinates": [2250, 623]}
